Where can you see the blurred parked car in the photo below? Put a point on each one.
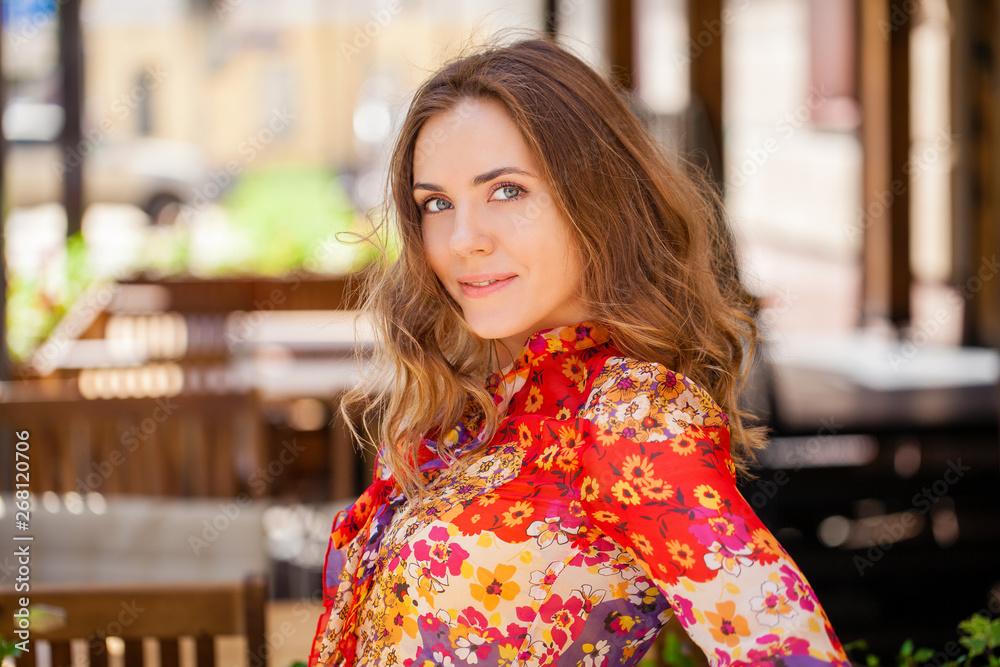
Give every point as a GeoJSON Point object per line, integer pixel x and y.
{"type": "Point", "coordinates": [153, 174]}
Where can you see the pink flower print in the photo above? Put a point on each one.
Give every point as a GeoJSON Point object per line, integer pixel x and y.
{"type": "Point", "coordinates": [564, 616]}
{"type": "Point", "coordinates": [443, 557]}
{"type": "Point", "coordinates": [713, 526]}
{"type": "Point", "coordinates": [773, 646]}
{"type": "Point", "coordinates": [772, 606]}
{"type": "Point", "coordinates": [683, 608]}
{"type": "Point", "coordinates": [542, 580]}
{"type": "Point", "coordinates": [797, 589]}
{"type": "Point", "coordinates": [474, 620]}
{"type": "Point", "coordinates": [547, 532]}
{"type": "Point", "coordinates": [721, 558]}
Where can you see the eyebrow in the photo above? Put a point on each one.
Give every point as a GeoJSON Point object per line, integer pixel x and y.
{"type": "Point", "coordinates": [478, 180]}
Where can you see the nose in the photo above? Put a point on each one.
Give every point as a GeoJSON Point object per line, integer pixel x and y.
{"type": "Point", "coordinates": [470, 236]}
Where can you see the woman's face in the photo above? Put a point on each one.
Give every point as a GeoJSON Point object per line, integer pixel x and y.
{"type": "Point", "coordinates": [491, 229]}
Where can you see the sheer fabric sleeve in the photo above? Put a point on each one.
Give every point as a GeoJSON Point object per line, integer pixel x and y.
{"type": "Point", "coordinates": [342, 565]}
{"type": "Point", "coordinates": [657, 477]}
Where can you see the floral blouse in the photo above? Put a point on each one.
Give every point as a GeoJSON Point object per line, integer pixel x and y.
{"type": "Point", "coordinates": [605, 503]}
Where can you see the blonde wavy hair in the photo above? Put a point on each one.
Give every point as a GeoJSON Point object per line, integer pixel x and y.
{"type": "Point", "coordinates": [659, 268]}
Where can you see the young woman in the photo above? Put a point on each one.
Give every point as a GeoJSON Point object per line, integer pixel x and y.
{"type": "Point", "coordinates": [566, 340]}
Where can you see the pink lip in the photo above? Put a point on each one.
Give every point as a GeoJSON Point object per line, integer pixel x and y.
{"type": "Point", "coordinates": [474, 292]}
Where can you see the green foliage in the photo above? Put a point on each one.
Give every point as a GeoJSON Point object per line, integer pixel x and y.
{"type": "Point", "coordinates": [286, 219]}
{"type": "Point", "coordinates": [36, 304]}
{"type": "Point", "coordinates": [981, 638]}
{"type": "Point", "coordinates": [8, 648]}
{"type": "Point", "coordinates": [279, 221]}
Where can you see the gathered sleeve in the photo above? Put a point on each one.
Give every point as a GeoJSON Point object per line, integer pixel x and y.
{"type": "Point", "coordinates": [657, 476]}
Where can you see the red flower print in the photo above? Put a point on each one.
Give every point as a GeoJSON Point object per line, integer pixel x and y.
{"type": "Point", "coordinates": [565, 617]}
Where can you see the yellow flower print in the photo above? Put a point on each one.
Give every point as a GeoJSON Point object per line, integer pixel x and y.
{"type": "Point", "coordinates": [643, 543]}
{"type": "Point", "coordinates": [548, 457]}
{"type": "Point", "coordinates": [680, 553]}
{"type": "Point", "coordinates": [567, 459]}
{"type": "Point", "coordinates": [575, 371]}
{"type": "Point", "coordinates": [487, 500]}
{"type": "Point", "coordinates": [707, 496]}
{"type": "Point", "coordinates": [684, 446]}
{"type": "Point", "coordinates": [607, 437]}
{"type": "Point", "coordinates": [589, 489]}
{"type": "Point", "coordinates": [534, 400]}
{"type": "Point", "coordinates": [524, 435]}
{"type": "Point", "coordinates": [727, 626]}
{"type": "Point", "coordinates": [606, 517]}
{"type": "Point", "coordinates": [494, 586]}
{"type": "Point", "coordinates": [567, 437]}
{"type": "Point", "coordinates": [625, 493]}
{"type": "Point", "coordinates": [764, 541]}
{"type": "Point", "coordinates": [516, 515]}
{"type": "Point", "coordinates": [564, 413]}
{"type": "Point", "coordinates": [658, 490]}
{"type": "Point", "coordinates": [638, 470]}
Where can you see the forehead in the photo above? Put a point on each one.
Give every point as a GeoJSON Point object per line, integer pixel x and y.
{"type": "Point", "coordinates": [471, 138]}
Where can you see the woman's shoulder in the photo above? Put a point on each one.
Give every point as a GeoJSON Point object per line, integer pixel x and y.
{"type": "Point", "coordinates": [645, 400]}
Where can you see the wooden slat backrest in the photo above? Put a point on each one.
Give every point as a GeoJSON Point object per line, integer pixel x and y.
{"type": "Point", "coordinates": [163, 611]}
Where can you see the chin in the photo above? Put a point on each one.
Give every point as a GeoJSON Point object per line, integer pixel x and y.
{"type": "Point", "coordinates": [493, 327]}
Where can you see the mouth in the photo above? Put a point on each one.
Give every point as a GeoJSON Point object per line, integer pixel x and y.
{"type": "Point", "coordinates": [479, 286]}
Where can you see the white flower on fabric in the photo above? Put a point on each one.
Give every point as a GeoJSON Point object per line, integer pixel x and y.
{"type": "Point", "coordinates": [772, 606]}
{"type": "Point", "coordinates": [442, 660]}
{"type": "Point", "coordinates": [594, 655]}
{"type": "Point", "coordinates": [636, 409]}
{"type": "Point", "coordinates": [547, 532]}
{"type": "Point", "coordinates": [721, 558]}
{"type": "Point", "coordinates": [467, 647]}
{"type": "Point", "coordinates": [542, 581]}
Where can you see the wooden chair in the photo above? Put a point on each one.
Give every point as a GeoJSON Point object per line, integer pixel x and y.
{"type": "Point", "coordinates": [165, 612]}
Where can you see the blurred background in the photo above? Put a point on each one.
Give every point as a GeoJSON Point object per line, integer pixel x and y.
{"type": "Point", "coordinates": [179, 325]}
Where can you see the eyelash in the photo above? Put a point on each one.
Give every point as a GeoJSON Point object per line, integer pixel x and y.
{"type": "Point", "coordinates": [499, 186]}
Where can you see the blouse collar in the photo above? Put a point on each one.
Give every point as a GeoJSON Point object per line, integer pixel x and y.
{"type": "Point", "coordinates": [542, 347]}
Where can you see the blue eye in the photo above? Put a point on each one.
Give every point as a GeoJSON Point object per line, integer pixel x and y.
{"type": "Point", "coordinates": [508, 192]}
{"type": "Point", "coordinates": [436, 204]}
